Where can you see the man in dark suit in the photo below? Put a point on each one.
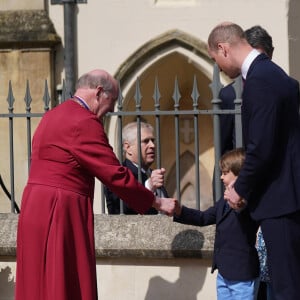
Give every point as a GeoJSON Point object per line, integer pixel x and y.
{"type": "Point", "coordinates": [152, 179]}
{"type": "Point", "coordinates": [259, 39]}
{"type": "Point", "coordinates": [269, 180]}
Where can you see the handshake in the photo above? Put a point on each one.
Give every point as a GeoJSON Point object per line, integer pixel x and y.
{"type": "Point", "coordinates": [168, 206]}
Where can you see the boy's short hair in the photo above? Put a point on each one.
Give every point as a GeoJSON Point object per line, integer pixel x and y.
{"type": "Point", "coordinates": [232, 161]}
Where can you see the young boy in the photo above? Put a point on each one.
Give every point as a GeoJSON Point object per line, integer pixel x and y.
{"type": "Point", "coordinates": [235, 255]}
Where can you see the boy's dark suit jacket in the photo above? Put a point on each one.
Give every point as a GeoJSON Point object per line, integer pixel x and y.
{"type": "Point", "coordinates": [235, 255]}
{"type": "Point", "coordinates": [271, 135]}
{"type": "Point", "coordinates": [113, 201]}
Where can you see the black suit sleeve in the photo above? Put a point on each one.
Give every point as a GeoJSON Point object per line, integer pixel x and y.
{"type": "Point", "coordinates": [112, 202]}
{"type": "Point", "coordinates": [227, 96]}
{"type": "Point", "coordinates": [197, 217]}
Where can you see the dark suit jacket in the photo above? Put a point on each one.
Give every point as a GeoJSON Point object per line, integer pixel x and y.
{"type": "Point", "coordinates": [227, 95]}
{"type": "Point", "coordinates": [270, 177]}
{"type": "Point", "coordinates": [227, 126]}
{"type": "Point", "coordinates": [235, 255]}
{"type": "Point", "coordinates": [113, 201]}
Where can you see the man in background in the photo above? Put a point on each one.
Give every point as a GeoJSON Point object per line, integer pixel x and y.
{"type": "Point", "coordinates": [152, 179]}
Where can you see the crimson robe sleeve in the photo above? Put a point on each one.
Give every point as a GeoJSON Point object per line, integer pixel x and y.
{"type": "Point", "coordinates": [92, 151]}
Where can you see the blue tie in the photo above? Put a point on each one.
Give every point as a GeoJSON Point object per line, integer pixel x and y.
{"type": "Point", "coordinates": [226, 208]}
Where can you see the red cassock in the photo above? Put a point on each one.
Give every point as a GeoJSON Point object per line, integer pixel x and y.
{"type": "Point", "coordinates": [55, 239]}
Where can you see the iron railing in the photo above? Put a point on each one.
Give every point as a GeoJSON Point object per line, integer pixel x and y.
{"type": "Point", "coordinates": [139, 115]}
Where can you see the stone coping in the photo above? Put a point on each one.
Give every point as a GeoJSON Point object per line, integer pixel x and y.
{"type": "Point", "coordinates": [27, 28]}
{"type": "Point", "coordinates": [131, 236]}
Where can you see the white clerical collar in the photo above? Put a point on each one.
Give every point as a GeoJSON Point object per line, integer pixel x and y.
{"type": "Point", "coordinates": [82, 101]}
{"type": "Point", "coordinates": [248, 61]}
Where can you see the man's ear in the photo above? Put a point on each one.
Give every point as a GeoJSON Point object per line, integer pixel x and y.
{"type": "Point", "coordinates": [223, 48]}
{"type": "Point", "coordinates": [126, 148]}
{"type": "Point", "coordinates": [99, 90]}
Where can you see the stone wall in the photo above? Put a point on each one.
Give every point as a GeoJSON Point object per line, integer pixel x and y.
{"type": "Point", "coordinates": [28, 43]}
{"type": "Point", "coordinates": [138, 257]}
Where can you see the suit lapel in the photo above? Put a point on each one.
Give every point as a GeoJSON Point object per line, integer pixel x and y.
{"type": "Point", "coordinates": [134, 169]}
{"type": "Point", "coordinates": [222, 211]}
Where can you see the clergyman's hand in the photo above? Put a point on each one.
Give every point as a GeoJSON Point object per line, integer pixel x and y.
{"type": "Point", "coordinates": [165, 205]}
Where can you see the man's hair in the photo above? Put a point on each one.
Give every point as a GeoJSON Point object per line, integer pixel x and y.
{"type": "Point", "coordinates": [232, 161]}
{"type": "Point", "coordinates": [259, 38]}
{"type": "Point", "coordinates": [225, 32]}
{"type": "Point", "coordinates": [129, 132]}
{"type": "Point", "coordinates": [92, 81]}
